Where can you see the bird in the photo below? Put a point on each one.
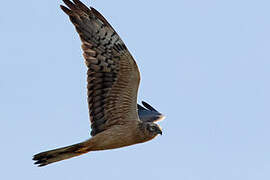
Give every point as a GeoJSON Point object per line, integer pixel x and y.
{"type": "Point", "coordinates": [113, 80]}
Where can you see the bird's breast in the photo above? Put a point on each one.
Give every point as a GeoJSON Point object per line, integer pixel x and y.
{"type": "Point", "coordinates": [115, 137]}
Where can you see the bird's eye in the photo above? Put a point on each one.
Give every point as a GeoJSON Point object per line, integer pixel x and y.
{"type": "Point", "coordinates": [152, 128]}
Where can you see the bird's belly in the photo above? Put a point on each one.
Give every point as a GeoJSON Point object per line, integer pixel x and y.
{"type": "Point", "coordinates": [114, 138]}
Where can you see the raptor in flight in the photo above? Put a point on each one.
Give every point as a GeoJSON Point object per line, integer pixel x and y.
{"type": "Point", "coordinates": [113, 80]}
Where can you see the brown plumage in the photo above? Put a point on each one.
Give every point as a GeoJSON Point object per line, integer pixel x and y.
{"type": "Point", "coordinates": [113, 79]}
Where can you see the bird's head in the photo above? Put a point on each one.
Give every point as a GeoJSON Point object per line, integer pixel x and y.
{"type": "Point", "coordinates": [151, 129]}
{"type": "Point", "coordinates": [154, 128]}
{"type": "Point", "coordinates": [148, 116]}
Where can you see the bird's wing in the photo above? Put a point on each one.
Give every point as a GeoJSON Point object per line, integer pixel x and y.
{"type": "Point", "coordinates": [113, 76]}
{"type": "Point", "coordinates": [148, 106]}
{"type": "Point", "coordinates": [141, 108]}
{"type": "Point", "coordinates": [148, 113]}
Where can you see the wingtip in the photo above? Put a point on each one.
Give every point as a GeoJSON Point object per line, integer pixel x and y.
{"type": "Point", "coordinates": [139, 107]}
{"type": "Point", "coordinates": [70, 4]}
{"type": "Point", "coordinates": [148, 106]}
{"type": "Point", "coordinates": [82, 6]}
{"type": "Point", "coordinates": [100, 16]}
{"type": "Point", "coordinates": [161, 117]}
{"type": "Point", "coordinates": [75, 6]}
{"type": "Point", "coordinates": [65, 9]}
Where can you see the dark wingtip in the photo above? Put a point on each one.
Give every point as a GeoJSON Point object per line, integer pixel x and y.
{"type": "Point", "coordinates": [82, 6]}
{"type": "Point", "coordinates": [148, 106]}
{"type": "Point", "coordinates": [99, 16]}
{"type": "Point", "coordinates": [65, 9]}
{"type": "Point", "coordinates": [140, 107]}
{"type": "Point", "coordinates": [70, 4]}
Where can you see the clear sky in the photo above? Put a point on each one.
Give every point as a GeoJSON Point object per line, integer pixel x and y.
{"type": "Point", "coordinates": [204, 64]}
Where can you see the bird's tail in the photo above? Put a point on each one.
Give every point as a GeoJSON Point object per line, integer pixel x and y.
{"type": "Point", "coordinates": [47, 157]}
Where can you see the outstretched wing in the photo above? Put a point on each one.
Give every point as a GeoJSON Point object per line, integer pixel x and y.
{"type": "Point", "coordinates": [113, 76]}
{"type": "Point", "coordinates": [148, 113]}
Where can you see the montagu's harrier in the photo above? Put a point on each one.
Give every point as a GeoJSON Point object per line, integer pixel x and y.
{"type": "Point", "coordinates": [113, 79]}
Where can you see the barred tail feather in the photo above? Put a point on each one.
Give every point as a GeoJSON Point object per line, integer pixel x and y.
{"type": "Point", "coordinates": [48, 157]}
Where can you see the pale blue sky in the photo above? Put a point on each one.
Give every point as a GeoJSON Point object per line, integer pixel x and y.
{"type": "Point", "coordinates": [204, 64]}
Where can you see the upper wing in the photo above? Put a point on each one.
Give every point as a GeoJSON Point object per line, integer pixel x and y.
{"type": "Point", "coordinates": [113, 76]}
{"type": "Point", "coordinates": [148, 113]}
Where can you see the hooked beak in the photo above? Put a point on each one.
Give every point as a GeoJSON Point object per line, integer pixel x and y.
{"type": "Point", "coordinates": [159, 132]}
